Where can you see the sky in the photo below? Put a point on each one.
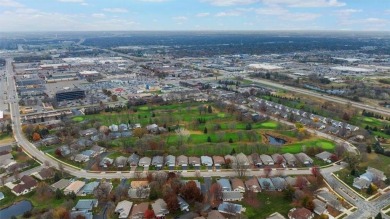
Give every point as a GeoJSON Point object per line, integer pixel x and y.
{"type": "Point", "coordinates": [172, 15]}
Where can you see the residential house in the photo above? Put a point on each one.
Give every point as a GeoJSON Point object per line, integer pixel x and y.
{"type": "Point", "coordinates": [256, 159]}
{"type": "Point", "coordinates": [123, 127]}
{"type": "Point", "coordinates": [225, 184]}
{"type": "Point", "coordinates": [266, 184]}
{"type": "Point", "coordinates": [266, 159]}
{"type": "Point", "coordinates": [279, 183]}
{"type": "Point", "coordinates": [170, 161]}
{"type": "Point", "coordinates": [81, 158]}
{"type": "Point", "coordinates": [138, 210]}
{"type": "Point", "coordinates": [230, 208]}
{"type": "Point", "coordinates": [120, 161]}
{"type": "Point", "coordinates": [276, 215]}
{"type": "Point", "coordinates": [292, 181]}
{"type": "Point", "coordinates": [371, 175]}
{"type": "Point", "coordinates": [75, 187]}
{"type": "Point", "coordinates": [113, 128]}
{"type": "Point", "coordinates": [153, 128]}
{"type": "Point", "coordinates": [106, 162]}
{"type": "Point", "coordinates": [242, 160]}
{"type": "Point", "coordinates": [158, 161]}
{"type": "Point", "coordinates": [377, 173]}
{"type": "Point", "coordinates": [206, 160]}
{"type": "Point", "coordinates": [45, 173]}
{"type": "Point", "coordinates": [214, 214]}
{"type": "Point", "coordinates": [290, 159]}
{"type": "Point", "coordinates": [325, 156]}
{"type": "Point", "coordinates": [304, 158]}
{"type": "Point", "coordinates": [61, 184]}
{"type": "Point", "coordinates": [300, 213]}
{"type": "Point", "coordinates": [218, 160]}
{"type": "Point", "coordinates": [133, 159]}
{"type": "Point", "coordinates": [160, 208]}
{"type": "Point", "coordinates": [145, 162]}
{"type": "Point", "coordinates": [184, 206]}
{"type": "Point", "coordinates": [89, 188]}
{"type": "Point", "coordinates": [319, 207]}
{"type": "Point", "coordinates": [123, 209]}
{"type": "Point", "coordinates": [194, 161]}
{"type": "Point", "coordinates": [237, 185]}
{"type": "Point", "coordinates": [252, 184]}
{"type": "Point", "coordinates": [89, 153]}
{"type": "Point", "coordinates": [232, 196]}
{"type": "Point", "coordinates": [182, 160]}
{"type": "Point", "coordinates": [230, 159]}
{"type": "Point", "coordinates": [88, 132]}
{"type": "Point", "coordinates": [64, 150]}
{"type": "Point", "coordinates": [5, 149]}
{"type": "Point", "coordinates": [98, 149]}
{"type": "Point", "coordinates": [85, 205]}
{"type": "Point", "coordinates": [279, 159]}
{"type": "Point", "coordinates": [26, 185]}
{"type": "Point", "coordinates": [329, 198]}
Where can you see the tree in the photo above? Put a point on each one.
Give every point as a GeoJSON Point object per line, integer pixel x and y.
{"type": "Point", "coordinates": [36, 137]}
{"type": "Point", "coordinates": [191, 192]}
{"type": "Point", "coordinates": [208, 139]}
{"type": "Point", "coordinates": [288, 193]}
{"type": "Point", "coordinates": [215, 193]}
{"type": "Point", "coordinates": [378, 216]}
{"type": "Point", "coordinates": [210, 109]}
{"type": "Point", "coordinates": [315, 170]}
{"type": "Point", "coordinates": [182, 135]}
{"type": "Point", "coordinates": [301, 182]}
{"type": "Point", "coordinates": [139, 132]}
{"type": "Point", "coordinates": [369, 149]}
{"type": "Point", "coordinates": [172, 203]}
{"type": "Point", "coordinates": [240, 166]}
{"type": "Point", "coordinates": [352, 159]}
{"type": "Point", "coordinates": [230, 140]}
{"type": "Point", "coordinates": [149, 214]}
{"type": "Point", "coordinates": [59, 194]}
{"type": "Point", "coordinates": [205, 130]}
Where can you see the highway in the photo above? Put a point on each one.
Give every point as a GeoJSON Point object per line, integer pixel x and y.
{"type": "Point", "coordinates": [375, 109]}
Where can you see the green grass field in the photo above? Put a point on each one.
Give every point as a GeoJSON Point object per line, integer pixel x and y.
{"type": "Point", "coordinates": [186, 115]}
{"type": "Point", "coordinates": [297, 147]}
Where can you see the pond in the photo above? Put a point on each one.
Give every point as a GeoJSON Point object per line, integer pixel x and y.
{"type": "Point", "coordinates": [276, 141]}
{"type": "Point", "coordinates": [16, 209]}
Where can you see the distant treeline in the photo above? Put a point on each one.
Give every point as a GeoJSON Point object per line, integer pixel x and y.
{"type": "Point", "coordinates": [207, 44]}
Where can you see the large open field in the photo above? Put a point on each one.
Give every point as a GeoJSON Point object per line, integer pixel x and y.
{"type": "Point", "coordinates": [224, 131]}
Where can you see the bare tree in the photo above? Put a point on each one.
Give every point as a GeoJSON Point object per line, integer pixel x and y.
{"type": "Point", "coordinates": [182, 135]}
{"type": "Point", "coordinates": [240, 166]}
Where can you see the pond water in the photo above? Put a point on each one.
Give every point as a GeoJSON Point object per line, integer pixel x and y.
{"type": "Point", "coordinates": [16, 209]}
{"type": "Point", "coordinates": [276, 141]}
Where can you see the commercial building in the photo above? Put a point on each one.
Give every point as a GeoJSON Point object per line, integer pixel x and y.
{"type": "Point", "coordinates": [74, 94]}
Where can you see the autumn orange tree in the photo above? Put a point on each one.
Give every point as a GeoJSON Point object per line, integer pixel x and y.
{"type": "Point", "coordinates": [191, 192]}
{"type": "Point", "coordinates": [36, 136]}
